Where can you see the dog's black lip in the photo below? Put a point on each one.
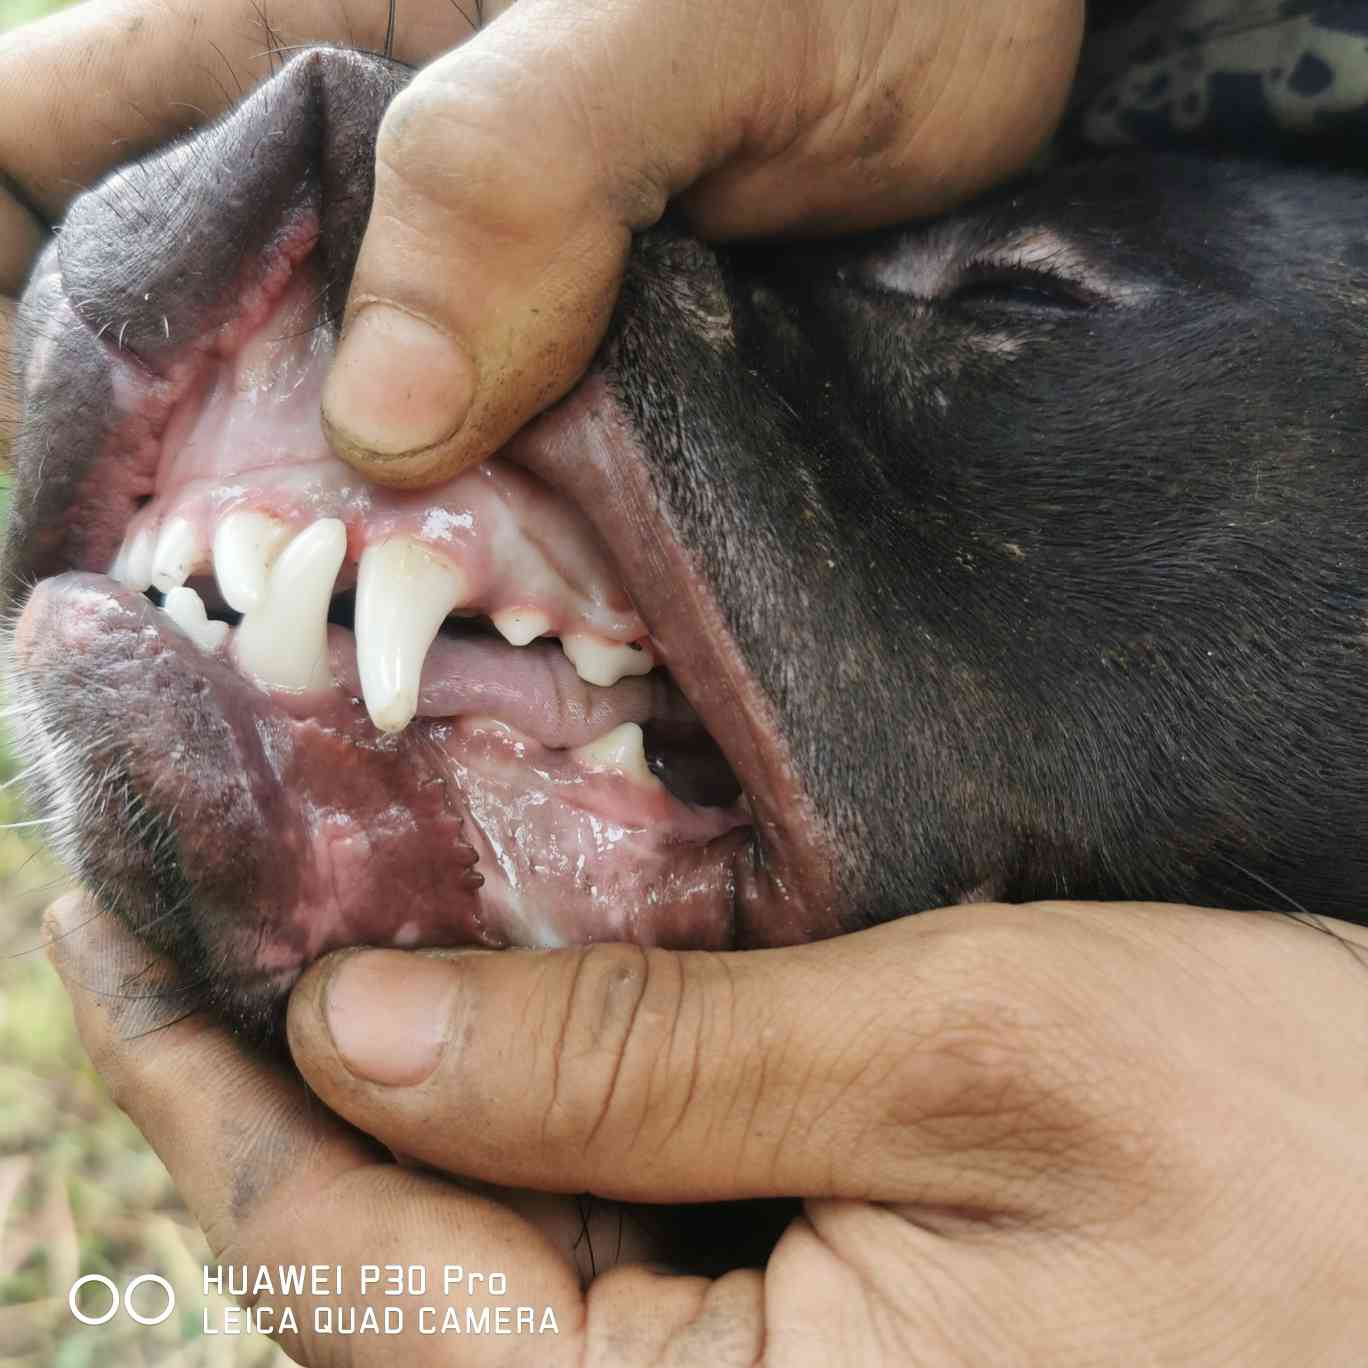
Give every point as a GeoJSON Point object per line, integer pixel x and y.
{"type": "Point", "coordinates": [584, 449]}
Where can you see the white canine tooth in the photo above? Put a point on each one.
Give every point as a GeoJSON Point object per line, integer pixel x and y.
{"type": "Point", "coordinates": [622, 749]}
{"type": "Point", "coordinates": [245, 545]}
{"type": "Point", "coordinates": [597, 661]}
{"type": "Point", "coordinates": [519, 626]}
{"type": "Point", "coordinates": [403, 591]}
{"type": "Point", "coordinates": [133, 565]}
{"type": "Point", "coordinates": [175, 556]}
{"type": "Point", "coordinates": [186, 609]}
{"type": "Point", "coordinates": [283, 642]}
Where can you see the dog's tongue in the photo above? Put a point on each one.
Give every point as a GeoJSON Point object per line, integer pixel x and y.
{"type": "Point", "coordinates": [534, 690]}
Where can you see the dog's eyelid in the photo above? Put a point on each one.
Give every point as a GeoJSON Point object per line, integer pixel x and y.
{"type": "Point", "coordinates": [982, 276]}
{"type": "Point", "coordinates": [1055, 260]}
{"type": "Point", "coordinates": [935, 267]}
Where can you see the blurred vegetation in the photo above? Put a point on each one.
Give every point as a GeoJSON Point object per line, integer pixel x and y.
{"type": "Point", "coordinates": [80, 1191]}
{"type": "Point", "coordinates": [16, 12]}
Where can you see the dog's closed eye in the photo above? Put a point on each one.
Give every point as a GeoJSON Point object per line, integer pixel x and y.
{"type": "Point", "coordinates": [992, 285]}
{"type": "Point", "coordinates": [1036, 270]}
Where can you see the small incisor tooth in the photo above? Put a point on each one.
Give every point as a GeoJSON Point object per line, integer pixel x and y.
{"type": "Point", "coordinates": [245, 546]}
{"type": "Point", "coordinates": [175, 556]}
{"type": "Point", "coordinates": [623, 749]}
{"type": "Point", "coordinates": [118, 567]}
{"type": "Point", "coordinates": [133, 565]}
{"type": "Point", "coordinates": [520, 626]}
{"type": "Point", "coordinates": [283, 642]}
{"type": "Point", "coordinates": [599, 661]}
{"type": "Point", "coordinates": [403, 591]}
{"type": "Point", "coordinates": [186, 609]}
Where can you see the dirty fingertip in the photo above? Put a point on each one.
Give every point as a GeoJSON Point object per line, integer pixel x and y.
{"type": "Point", "coordinates": [68, 911]}
{"type": "Point", "coordinates": [97, 958]}
{"type": "Point", "coordinates": [76, 932]}
{"type": "Point", "coordinates": [399, 391]}
{"type": "Point", "coordinates": [384, 1012]}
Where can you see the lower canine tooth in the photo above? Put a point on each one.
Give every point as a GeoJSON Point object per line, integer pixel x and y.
{"type": "Point", "coordinates": [175, 556]}
{"type": "Point", "coordinates": [283, 642]}
{"type": "Point", "coordinates": [622, 749]}
{"type": "Point", "coordinates": [519, 626]}
{"type": "Point", "coordinates": [403, 591]}
{"type": "Point", "coordinates": [186, 609]}
{"type": "Point", "coordinates": [597, 661]}
{"type": "Point", "coordinates": [245, 545]}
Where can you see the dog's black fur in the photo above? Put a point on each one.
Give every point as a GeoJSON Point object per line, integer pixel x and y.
{"type": "Point", "coordinates": [1057, 583]}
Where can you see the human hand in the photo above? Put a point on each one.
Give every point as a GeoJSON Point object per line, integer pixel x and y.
{"type": "Point", "coordinates": [512, 173]}
{"type": "Point", "coordinates": [93, 87]}
{"type": "Point", "coordinates": [514, 169]}
{"type": "Point", "coordinates": [1061, 1133]}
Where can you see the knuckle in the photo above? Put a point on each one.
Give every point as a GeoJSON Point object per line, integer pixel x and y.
{"type": "Point", "coordinates": [988, 1056]}
{"type": "Point", "coordinates": [418, 111]}
{"type": "Point", "coordinates": [136, 1073]}
{"type": "Point", "coordinates": [621, 1004]}
{"type": "Point", "coordinates": [122, 1084]}
{"type": "Point", "coordinates": [1009, 1067]}
{"type": "Point", "coordinates": [445, 139]}
{"type": "Point", "coordinates": [438, 129]}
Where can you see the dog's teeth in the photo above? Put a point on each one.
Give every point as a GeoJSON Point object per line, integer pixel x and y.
{"type": "Point", "coordinates": [133, 565]}
{"type": "Point", "coordinates": [283, 641]}
{"type": "Point", "coordinates": [186, 609]}
{"type": "Point", "coordinates": [519, 626]}
{"type": "Point", "coordinates": [597, 661]}
{"type": "Point", "coordinates": [175, 556]}
{"type": "Point", "coordinates": [245, 545]}
{"type": "Point", "coordinates": [403, 591]}
{"type": "Point", "coordinates": [623, 749]}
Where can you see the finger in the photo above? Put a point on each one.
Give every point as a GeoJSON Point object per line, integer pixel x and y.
{"type": "Point", "coordinates": [21, 238]}
{"type": "Point", "coordinates": [274, 1180]}
{"type": "Point", "coordinates": [935, 1060]}
{"type": "Point", "coordinates": [100, 84]}
{"type": "Point", "coordinates": [9, 396]}
{"type": "Point", "coordinates": [277, 1182]}
{"type": "Point", "coordinates": [512, 173]}
{"type": "Point", "coordinates": [911, 110]}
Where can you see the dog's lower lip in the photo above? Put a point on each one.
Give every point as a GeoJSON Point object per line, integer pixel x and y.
{"type": "Point", "coordinates": [301, 834]}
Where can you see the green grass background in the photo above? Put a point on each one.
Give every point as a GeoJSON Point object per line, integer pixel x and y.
{"type": "Point", "coordinates": [80, 1191]}
{"type": "Point", "coordinates": [16, 12]}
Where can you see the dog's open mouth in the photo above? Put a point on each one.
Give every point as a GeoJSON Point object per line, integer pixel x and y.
{"type": "Point", "coordinates": [485, 616]}
{"type": "Point", "coordinates": [270, 708]}
{"type": "Point", "coordinates": [476, 635]}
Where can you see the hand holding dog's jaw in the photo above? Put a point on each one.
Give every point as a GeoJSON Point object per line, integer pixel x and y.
{"type": "Point", "coordinates": [510, 179]}
{"type": "Point", "coordinates": [1059, 1134]}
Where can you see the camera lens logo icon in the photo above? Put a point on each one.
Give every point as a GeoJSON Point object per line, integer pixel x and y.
{"type": "Point", "coordinates": [117, 1299]}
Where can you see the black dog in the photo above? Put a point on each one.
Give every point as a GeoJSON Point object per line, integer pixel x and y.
{"type": "Point", "coordinates": [1021, 554]}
